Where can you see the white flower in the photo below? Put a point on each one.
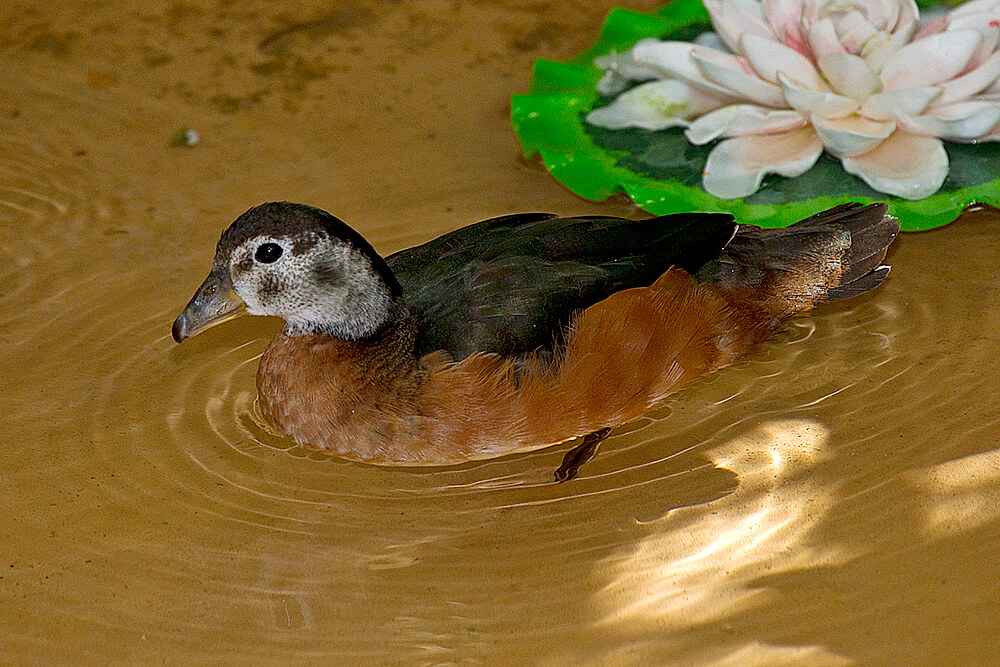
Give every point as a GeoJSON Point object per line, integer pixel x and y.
{"type": "Point", "coordinates": [857, 78]}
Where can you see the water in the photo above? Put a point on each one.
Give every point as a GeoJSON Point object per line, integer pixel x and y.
{"type": "Point", "coordinates": [831, 500]}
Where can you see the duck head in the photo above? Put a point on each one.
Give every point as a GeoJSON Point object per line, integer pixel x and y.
{"type": "Point", "coordinates": [301, 264]}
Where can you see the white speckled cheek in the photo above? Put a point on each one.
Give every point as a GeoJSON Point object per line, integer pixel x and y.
{"type": "Point", "coordinates": [324, 284]}
{"type": "Point", "coordinates": [260, 285]}
{"type": "Point", "coordinates": [342, 294]}
{"type": "Point", "coordinates": [327, 286]}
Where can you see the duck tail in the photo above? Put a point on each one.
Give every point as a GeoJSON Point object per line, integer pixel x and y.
{"type": "Point", "coordinates": [779, 273]}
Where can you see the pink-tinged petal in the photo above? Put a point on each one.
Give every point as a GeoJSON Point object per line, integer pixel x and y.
{"type": "Point", "coordinates": [963, 121]}
{"type": "Point", "coordinates": [735, 75]}
{"type": "Point", "coordinates": [732, 19]}
{"type": "Point", "coordinates": [931, 60]}
{"type": "Point", "coordinates": [656, 105]}
{"type": "Point", "coordinates": [736, 167]}
{"type": "Point", "coordinates": [909, 18]}
{"type": "Point", "coordinates": [975, 7]}
{"type": "Point", "coordinates": [783, 16]}
{"type": "Point", "coordinates": [737, 120]}
{"type": "Point", "coordinates": [823, 39]}
{"type": "Point", "coordinates": [981, 21]}
{"type": "Point", "coordinates": [767, 57]}
{"type": "Point", "coordinates": [991, 40]}
{"type": "Point", "coordinates": [854, 30]}
{"type": "Point", "coordinates": [673, 59]}
{"type": "Point", "coordinates": [850, 75]}
{"type": "Point", "coordinates": [808, 100]}
{"type": "Point", "coordinates": [852, 135]}
{"type": "Point", "coordinates": [972, 83]}
{"type": "Point", "coordinates": [986, 24]}
{"type": "Point", "coordinates": [904, 165]}
{"type": "Point", "coordinates": [882, 14]}
{"type": "Point", "coordinates": [903, 102]}
{"type": "Point", "coordinates": [812, 11]}
{"type": "Point", "coordinates": [932, 28]}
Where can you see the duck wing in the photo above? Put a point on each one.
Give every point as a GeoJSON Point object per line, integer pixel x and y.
{"type": "Point", "coordinates": [509, 285]}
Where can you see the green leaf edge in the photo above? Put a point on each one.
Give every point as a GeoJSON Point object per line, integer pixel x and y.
{"type": "Point", "coordinates": [547, 121]}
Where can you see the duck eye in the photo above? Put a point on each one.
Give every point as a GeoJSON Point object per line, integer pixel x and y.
{"type": "Point", "coordinates": [267, 253]}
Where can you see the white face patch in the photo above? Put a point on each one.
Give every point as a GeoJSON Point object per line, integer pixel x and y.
{"type": "Point", "coordinates": [318, 284]}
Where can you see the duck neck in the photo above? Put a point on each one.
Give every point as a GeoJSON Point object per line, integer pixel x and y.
{"type": "Point", "coordinates": [364, 319]}
{"type": "Point", "coordinates": [314, 387]}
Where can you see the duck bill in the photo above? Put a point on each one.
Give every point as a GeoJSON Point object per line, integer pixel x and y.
{"type": "Point", "coordinates": [213, 303]}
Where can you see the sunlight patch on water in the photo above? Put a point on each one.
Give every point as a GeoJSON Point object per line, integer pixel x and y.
{"type": "Point", "coordinates": [701, 563]}
{"type": "Point", "coordinates": [959, 495]}
{"type": "Point", "coordinates": [757, 654]}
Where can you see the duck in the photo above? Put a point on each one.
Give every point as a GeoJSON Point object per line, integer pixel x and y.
{"type": "Point", "coordinates": [515, 333]}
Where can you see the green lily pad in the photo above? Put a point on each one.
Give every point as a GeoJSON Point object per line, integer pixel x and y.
{"type": "Point", "coordinates": [661, 170]}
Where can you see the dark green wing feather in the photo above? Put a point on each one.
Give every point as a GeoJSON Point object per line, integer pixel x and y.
{"type": "Point", "coordinates": [509, 285]}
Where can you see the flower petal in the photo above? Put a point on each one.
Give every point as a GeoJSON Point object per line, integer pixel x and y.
{"type": "Point", "coordinates": [619, 70]}
{"type": "Point", "coordinates": [784, 17]}
{"type": "Point", "coordinates": [807, 100]}
{"type": "Point", "coordinates": [741, 119]}
{"type": "Point", "coordinates": [852, 135]}
{"type": "Point", "coordinates": [904, 165]}
{"type": "Point", "coordinates": [985, 21]}
{"type": "Point", "coordinates": [932, 28]}
{"type": "Point", "coordinates": [735, 75]}
{"type": "Point", "coordinates": [673, 59]}
{"type": "Point", "coordinates": [882, 14]}
{"type": "Point", "coordinates": [656, 105]}
{"type": "Point", "coordinates": [901, 102]}
{"type": "Point", "coordinates": [986, 24]}
{"type": "Point", "coordinates": [962, 121]}
{"type": "Point", "coordinates": [879, 51]}
{"type": "Point", "coordinates": [972, 83]}
{"type": "Point", "coordinates": [736, 167]}
{"type": "Point", "coordinates": [733, 18]}
{"type": "Point", "coordinates": [768, 57]}
{"type": "Point", "coordinates": [931, 60]}
{"type": "Point", "coordinates": [908, 20]}
{"type": "Point", "coordinates": [854, 30]}
{"type": "Point", "coordinates": [975, 7]}
{"type": "Point", "coordinates": [850, 75]}
{"type": "Point", "coordinates": [823, 39]}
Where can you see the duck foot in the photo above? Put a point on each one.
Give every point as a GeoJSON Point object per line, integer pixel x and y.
{"type": "Point", "coordinates": [580, 454]}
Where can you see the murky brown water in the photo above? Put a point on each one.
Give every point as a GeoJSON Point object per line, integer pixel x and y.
{"type": "Point", "coordinates": [833, 500]}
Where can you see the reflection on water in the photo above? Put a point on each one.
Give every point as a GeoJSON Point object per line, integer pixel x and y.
{"type": "Point", "coordinates": [830, 500]}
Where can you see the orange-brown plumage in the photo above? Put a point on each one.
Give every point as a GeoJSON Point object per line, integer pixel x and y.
{"type": "Point", "coordinates": [379, 397]}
